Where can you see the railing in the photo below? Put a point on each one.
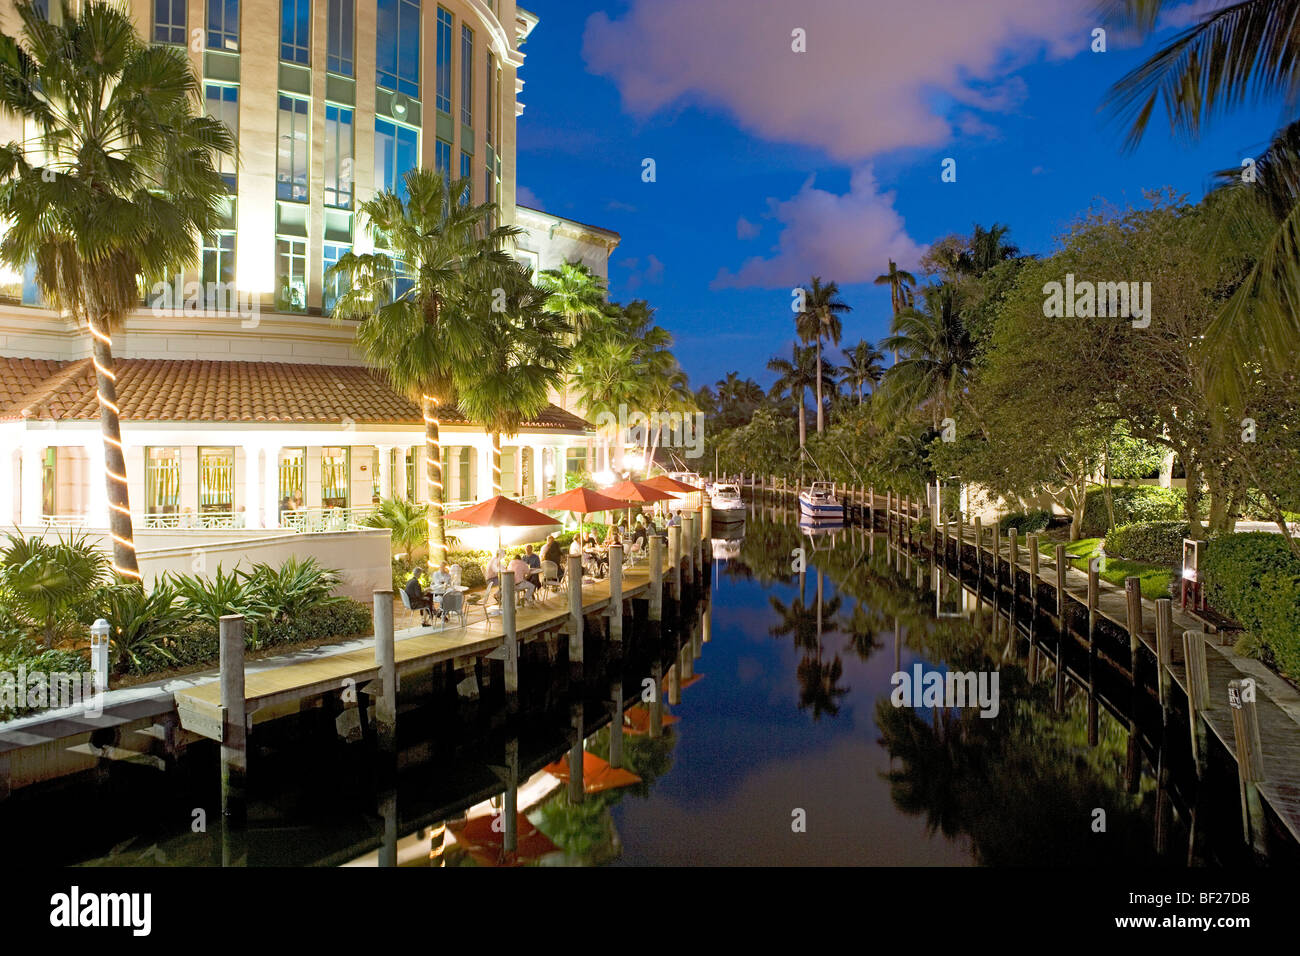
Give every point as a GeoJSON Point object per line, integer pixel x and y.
{"type": "Point", "coordinates": [56, 522]}
{"type": "Point", "coordinates": [326, 519]}
{"type": "Point", "coordinates": [202, 521]}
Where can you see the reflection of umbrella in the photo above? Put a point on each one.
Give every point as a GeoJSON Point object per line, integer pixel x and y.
{"type": "Point", "coordinates": [581, 501]}
{"type": "Point", "coordinates": [636, 720]}
{"type": "Point", "coordinates": [597, 774]}
{"type": "Point", "coordinates": [500, 512]}
{"type": "Point", "coordinates": [486, 844]}
{"type": "Point", "coordinates": [668, 483]}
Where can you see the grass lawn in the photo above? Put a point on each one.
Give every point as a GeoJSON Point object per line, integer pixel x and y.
{"type": "Point", "coordinates": [1155, 579]}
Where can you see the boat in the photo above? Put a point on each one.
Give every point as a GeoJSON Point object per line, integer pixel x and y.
{"type": "Point", "coordinates": [685, 500]}
{"type": "Point", "coordinates": [726, 549]}
{"type": "Point", "coordinates": [727, 503]}
{"type": "Point", "coordinates": [819, 501]}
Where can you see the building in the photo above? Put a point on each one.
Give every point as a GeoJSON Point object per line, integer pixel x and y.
{"type": "Point", "coordinates": [242, 403]}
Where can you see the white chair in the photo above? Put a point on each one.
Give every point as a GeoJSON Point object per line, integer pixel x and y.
{"type": "Point", "coordinates": [551, 576]}
{"type": "Point", "coordinates": [454, 570]}
{"type": "Point", "coordinates": [453, 602]}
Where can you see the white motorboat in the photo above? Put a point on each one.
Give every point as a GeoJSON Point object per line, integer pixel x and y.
{"type": "Point", "coordinates": [819, 501]}
{"type": "Point", "coordinates": [726, 502]}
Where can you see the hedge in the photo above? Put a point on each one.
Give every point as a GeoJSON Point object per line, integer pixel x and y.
{"type": "Point", "coordinates": [1132, 505]}
{"type": "Point", "coordinates": [1254, 578]}
{"type": "Point", "coordinates": [1156, 542]}
{"type": "Point", "coordinates": [1025, 522]}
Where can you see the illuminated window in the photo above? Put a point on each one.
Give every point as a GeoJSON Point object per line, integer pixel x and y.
{"type": "Point", "coordinates": [223, 104]}
{"type": "Point", "coordinates": [444, 61]}
{"type": "Point", "coordinates": [397, 149]}
{"type": "Point", "coordinates": [295, 31]}
{"type": "Point", "coordinates": [291, 161]}
{"type": "Point", "coordinates": [397, 46]}
{"type": "Point", "coordinates": [334, 285]}
{"type": "Point", "coordinates": [335, 480]}
{"type": "Point", "coordinates": [338, 56]}
{"type": "Point", "coordinates": [162, 481]}
{"type": "Point", "coordinates": [442, 157]}
{"type": "Point", "coordinates": [291, 268]}
{"type": "Point", "coordinates": [338, 156]}
{"type": "Point", "coordinates": [466, 75]}
{"type": "Point", "coordinates": [223, 25]}
{"type": "Point", "coordinates": [216, 480]}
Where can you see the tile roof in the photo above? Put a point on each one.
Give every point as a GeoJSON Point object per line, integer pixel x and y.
{"type": "Point", "coordinates": [160, 390]}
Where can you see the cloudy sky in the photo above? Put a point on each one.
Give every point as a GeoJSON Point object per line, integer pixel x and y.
{"type": "Point", "coordinates": [773, 165]}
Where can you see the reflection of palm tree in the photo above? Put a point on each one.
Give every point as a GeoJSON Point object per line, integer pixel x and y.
{"type": "Point", "coordinates": [818, 680]}
{"type": "Point", "coordinates": [819, 685]}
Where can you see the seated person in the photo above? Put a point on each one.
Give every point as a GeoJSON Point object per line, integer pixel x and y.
{"type": "Point", "coordinates": [593, 556]}
{"type": "Point", "coordinates": [440, 580]}
{"type": "Point", "coordinates": [614, 536]}
{"type": "Point", "coordinates": [419, 599]}
{"type": "Point", "coordinates": [523, 577]}
{"type": "Point", "coordinates": [551, 551]}
{"type": "Point", "coordinates": [531, 558]}
{"type": "Point", "coordinates": [640, 532]}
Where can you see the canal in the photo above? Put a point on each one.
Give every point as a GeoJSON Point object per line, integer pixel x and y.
{"type": "Point", "coordinates": [785, 742]}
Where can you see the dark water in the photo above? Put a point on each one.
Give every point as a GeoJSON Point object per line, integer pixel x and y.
{"type": "Point", "coordinates": [787, 750]}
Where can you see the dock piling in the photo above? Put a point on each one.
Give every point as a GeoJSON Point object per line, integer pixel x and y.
{"type": "Point", "coordinates": [616, 592]}
{"type": "Point", "coordinates": [1198, 695]}
{"type": "Point", "coordinates": [1250, 762]}
{"type": "Point", "coordinates": [386, 661]}
{"type": "Point", "coordinates": [234, 726]}
{"type": "Point", "coordinates": [577, 789]}
{"type": "Point", "coordinates": [574, 575]}
{"type": "Point", "coordinates": [675, 559]}
{"type": "Point", "coordinates": [616, 723]}
{"type": "Point", "coordinates": [1164, 647]}
{"type": "Point", "coordinates": [656, 596]}
{"type": "Point", "coordinates": [508, 626]}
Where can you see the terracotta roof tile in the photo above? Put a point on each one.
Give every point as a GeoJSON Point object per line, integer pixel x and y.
{"type": "Point", "coordinates": [159, 390]}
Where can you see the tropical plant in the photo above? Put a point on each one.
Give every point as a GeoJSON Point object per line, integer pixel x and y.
{"type": "Point", "coordinates": [795, 376]}
{"type": "Point", "coordinates": [820, 319]}
{"type": "Point", "coordinates": [407, 523]}
{"type": "Point", "coordinates": [577, 294]}
{"type": "Point", "coordinates": [411, 297]}
{"type": "Point", "coordinates": [863, 368]}
{"type": "Point", "coordinates": [46, 585]}
{"type": "Point", "coordinates": [142, 623]}
{"type": "Point", "coordinates": [298, 587]}
{"type": "Point", "coordinates": [211, 599]}
{"type": "Point", "coordinates": [115, 185]}
{"type": "Point", "coordinates": [937, 356]}
{"type": "Point", "coordinates": [605, 377]}
{"type": "Point", "coordinates": [986, 249]}
{"type": "Point", "coordinates": [901, 283]}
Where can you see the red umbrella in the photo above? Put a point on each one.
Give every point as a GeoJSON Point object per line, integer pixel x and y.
{"type": "Point", "coordinates": [668, 483]}
{"type": "Point", "coordinates": [581, 501]}
{"type": "Point", "coordinates": [484, 838]}
{"type": "Point", "coordinates": [638, 491]}
{"type": "Point", "coordinates": [597, 774]}
{"type": "Point", "coordinates": [500, 512]}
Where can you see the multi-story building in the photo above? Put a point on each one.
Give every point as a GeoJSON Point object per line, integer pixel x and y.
{"type": "Point", "coordinates": [240, 408]}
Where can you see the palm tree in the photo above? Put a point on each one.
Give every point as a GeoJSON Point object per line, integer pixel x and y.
{"type": "Point", "coordinates": [125, 191]}
{"type": "Point", "coordinates": [1245, 50]}
{"type": "Point", "coordinates": [820, 319]}
{"type": "Point", "coordinates": [415, 300]}
{"type": "Point", "coordinates": [523, 358]}
{"type": "Point", "coordinates": [938, 354]}
{"type": "Point", "coordinates": [795, 378]}
{"type": "Point", "coordinates": [577, 294]}
{"type": "Point", "coordinates": [407, 522]}
{"type": "Point", "coordinates": [864, 367]}
{"type": "Point", "coordinates": [901, 283]}
{"type": "Point", "coordinates": [986, 249]}
{"type": "Point", "coordinates": [605, 377]}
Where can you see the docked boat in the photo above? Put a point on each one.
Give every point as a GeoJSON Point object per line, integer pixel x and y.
{"type": "Point", "coordinates": [685, 500]}
{"type": "Point", "coordinates": [820, 502]}
{"type": "Point", "coordinates": [727, 503]}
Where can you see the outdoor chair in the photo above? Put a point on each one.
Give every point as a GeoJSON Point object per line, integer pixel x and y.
{"type": "Point", "coordinates": [453, 602]}
{"type": "Point", "coordinates": [406, 603]}
{"type": "Point", "coordinates": [551, 576]}
{"type": "Point", "coordinates": [454, 571]}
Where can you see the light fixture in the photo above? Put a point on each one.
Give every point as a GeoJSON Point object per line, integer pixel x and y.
{"type": "Point", "coordinates": [400, 105]}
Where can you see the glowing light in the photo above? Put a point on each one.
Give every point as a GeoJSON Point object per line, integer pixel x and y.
{"type": "Point", "coordinates": [604, 477]}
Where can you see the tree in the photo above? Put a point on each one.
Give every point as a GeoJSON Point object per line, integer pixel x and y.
{"type": "Point", "coordinates": [407, 523]}
{"type": "Point", "coordinates": [986, 249]}
{"type": "Point", "coordinates": [864, 367]}
{"type": "Point", "coordinates": [415, 297]}
{"type": "Point", "coordinates": [605, 378]}
{"type": "Point", "coordinates": [578, 295]}
{"type": "Point", "coordinates": [125, 191]}
{"type": "Point", "coordinates": [795, 378]}
{"type": "Point", "coordinates": [819, 319]}
{"type": "Point", "coordinates": [938, 355]}
{"type": "Point", "coordinates": [900, 284]}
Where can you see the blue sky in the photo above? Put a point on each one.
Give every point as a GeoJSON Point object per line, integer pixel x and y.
{"type": "Point", "coordinates": [772, 164]}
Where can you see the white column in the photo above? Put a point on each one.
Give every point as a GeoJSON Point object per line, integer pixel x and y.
{"type": "Point", "coordinates": [539, 471]}
{"type": "Point", "coordinates": [7, 489]}
{"type": "Point", "coordinates": [271, 488]}
{"type": "Point", "coordinates": [385, 471]}
{"type": "Point", "coordinates": [485, 471]}
{"type": "Point", "coordinates": [399, 485]}
{"type": "Point", "coordinates": [252, 487]}
{"type": "Point", "coordinates": [96, 486]}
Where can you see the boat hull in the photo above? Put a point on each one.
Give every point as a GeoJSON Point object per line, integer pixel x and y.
{"type": "Point", "coordinates": [821, 509]}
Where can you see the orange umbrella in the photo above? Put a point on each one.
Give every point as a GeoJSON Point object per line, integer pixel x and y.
{"type": "Point", "coordinates": [636, 720]}
{"type": "Point", "coordinates": [581, 501]}
{"type": "Point", "coordinates": [500, 512]}
{"type": "Point", "coordinates": [484, 838]}
{"type": "Point", "coordinates": [638, 491]}
{"type": "Point", "coordinates": [597, 774]}
{"type": "Point", "coordinates": [668, 483]}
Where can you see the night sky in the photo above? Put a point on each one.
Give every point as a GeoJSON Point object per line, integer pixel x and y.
{"type": "Point", "coordinates": [773, 165]}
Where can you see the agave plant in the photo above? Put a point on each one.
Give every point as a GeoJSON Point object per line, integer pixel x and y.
{"type": "Point", "coordinates": [140, 621]}
{"type": "Point", "coordinates": [296, 588]}
{"type": "Point", "coordinates": [45, 585]}
{"type": "Point", "coordinates": [210, 599]}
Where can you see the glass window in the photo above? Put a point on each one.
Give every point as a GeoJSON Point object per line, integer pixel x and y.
{"type": "Point", "coordinates": [223, 104]}
{"type": "Point", "coordinates": [338, 156]}
{"type": "Point", "coordinates": [295, 31]}
{"type": "Point", "coordinates": [334, 285]}
{"type": "Point", "coordinates": [292, 473]}
{"type": "Point", "coordinates": [466, 173]}
{"type": "Point", "coordinates": [219, 260]}
{"type": "Point", "coordinates": [397, 149]}
{"type": "Point", "coordinates": [291, 166]}
{"type": "Point", "coordinates": [217, 480]}
{"type": "Point", "coordinates": [491, 72]}
{"type": "Point", "coordinates": [444, 60]}
{"type": "Point", "coordinates": [412, 493]}
{"type": "Point", "coordinates": [466, 75]}
{"type": "Point", "coordinates": [338, 55]}
{"type": "Point", "coordinates": [49, 481]}
{"type": "Point", "coordinates": [169, 21]}
{"type": "Point", "coordinates": [223, 25]}
{"type": "Point", "coordinates": [397, 46]}
{"type": "Point", "coordinates": [162, 481]}
{"type": "Point", "coordinates": [42, 8]}
{"type": "Point", "coordinates": [291, 268]}
{"type": "Point", "coordinates": [442, 157]}
{"type": "Point", "coordinates": [335, 477]}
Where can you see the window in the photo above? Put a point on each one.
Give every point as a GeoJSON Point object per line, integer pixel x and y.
{"type": "Point", "coordinates": [338, 156]}
{"type": "Point", "coordinates": [442, 157]}
{"type": "Point", "coordinates": [223, 25]}
{"type": "Point", "coordinates": [292, 472]}
{"type": "Point", "coordinates": [491, 74]}
{"type": "Point", "coordinates": [291, 166]}
{"type": "Point", "coordinates": [334, 285]}
{"type": "Point", "coordinates": [466, 75]}
{"type": "Point", "coordinates": [162, 481]}
{"type": "Point", "coordinates": [223, 104]}
{"type": "Point", "coordinates": [466, 173]}
{"type": "Point", "coordinates": [444, 61]}
{"type": "Point", "coordinates": [397, 149]}
{"type": "Point", "coordinates": [295, 31]}
{"type": "Point", "coordinates": [291, 269]}
{"type": "Point", "coordinates": [334, 477]}
{"type": "Point", "coordinates": [397, 40]}
{"type": "Point", "coordinates": [42, 8]}
{"type": "Point", "coordinates": [412, 493]}
{"type": "Point", "coordinates": [338, 55]}
{"type": "Point", "coordinates": [219, 260]}
{"type": "Point", "coordinates": [49, 481]}
{"type": "Point", "coordinates": [217, 480]}
{"type": "Point", "coordinates": [169, 21]}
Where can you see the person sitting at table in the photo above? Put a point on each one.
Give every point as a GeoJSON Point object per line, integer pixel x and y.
{"type": "Point", "coordinates": [419, 599]}
{"type": "Point", "coordinates": [553, 552]}
{"type": "Point", "coordinates": [440, 580]}
{"type": "Point", "coordinates": [640, 532]}
{"type": "Point", "coordinates": [492, 572]}
{"type": "Point", "coordinates": [614, 535]}
{"type": "Point", "coordinates": [531, 558]}
{"type": "Point", "coordinates": [523, 576]}
{"type": "Point", "coordinates": [593, 556]}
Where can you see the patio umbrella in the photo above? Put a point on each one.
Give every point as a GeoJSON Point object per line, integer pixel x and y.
{"type": "Point", "coordinates": [636, 720]}
{"type": "Point", "coordinates": [668, 483]}
{"type": "Point", "coordinates": [597, 774]}
{"type": "Point", "coordinates": [500, 512]}
{"type": "Point", "coordinates": [581, 501]}
{"type": "Point", "coordinates": [487, 844]}
{"type": "Point", "coordinates": [639, 491]}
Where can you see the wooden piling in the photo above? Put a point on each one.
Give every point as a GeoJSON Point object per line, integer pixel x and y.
{"type": "Point", "coordinates": [657, 699]}
{"type": "Point", "coordinates": [574, 627]}
{"type": "Point", "coordinates": [1198, 695]}
{"type": "Point", "coordinates": [615, 609]}
{"type": "Point", "coordinates": [656, 596]}
{"type": "Point", "coordinates": [1061, 567]}
{"type": "Point", "coordinates": [577, 790]}
{"type": "Point", "coordinates": [1013, 566]}
{"type": "Point", "coordinates": [675, 559]}
{"type": "Point", "coordinates": [616, 723]}
{"type": "Point", "coordinates": [386, 661]}
{"type": "Point", "coordinates": [510, 802]}
{"type": "Point", "coordinates": [675, 682]}
{"type": "Point", "coordinates": [1164, 647]}
{"type": "Point", "coordinates": [1250, 761]}
{"type": "Point", "coordinates": [1094, 590]}
{"type": "Point", "coordinates": [689, 545]}
{"type": "Point", "coordinates": [706, 511]}
{"type": "Point", "coordinates": [1133, 602]}
{"type": "Point", "coordinates": [511, 633]}
{"type": "Point", "coordinates": [979, 554]}
{"type": "Point", "coordinates": [234, 726]}
{"type": "Point", "coordinates": [1031, 543]}
{"type": "Point", "coordinates": [871, 509]}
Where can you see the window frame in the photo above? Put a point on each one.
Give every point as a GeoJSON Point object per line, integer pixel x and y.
{"type": "Point", "coordinates": [292, 183]}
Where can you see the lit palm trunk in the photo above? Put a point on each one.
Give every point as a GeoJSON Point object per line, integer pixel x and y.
{"type": "Point", "coordinates": [433, 483]}
{"type": "Point", "coordinates": [496, 463]}
{"type": "Point", "coordinates": [119, 510]}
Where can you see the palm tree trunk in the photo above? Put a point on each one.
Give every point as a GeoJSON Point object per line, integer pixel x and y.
{"type": "Point", "coordinates": [119, 506]}
{"type": "Point", "coordinates": [819, 385]}
{"type": "Point", "coordinates": [803, 425]}
{"type": "Point", "coordinates": [496, 463]}
{"type": "Point", "coordinates": [433, 483]}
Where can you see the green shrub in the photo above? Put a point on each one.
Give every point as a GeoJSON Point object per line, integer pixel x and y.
{"type": "Point", "coordinates": [1025, 522]}
{"type": "Point", "coordinates": [194, 643]}
{"type": "Point", "coordinates": [1254, 578]}
{"type": "Point", "coordinates": [1132, 505]}
{"type": "Point", "coordinates": [298, 587]}
{"type": "Point", "coordinates": [1278, 612]}
{"type": "Point", "coordinates": [141, 622]}
{"type": "Point", "coordinates": [29, 655]}
{"type": "Point", "coordinates": [1156, 542]}
{"type": "Point", "coordinates": [45, 585]}
{"type": "Point", "coordinates": [471, 566]}
{"type": "Point", "coordinates": [341, 618]}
